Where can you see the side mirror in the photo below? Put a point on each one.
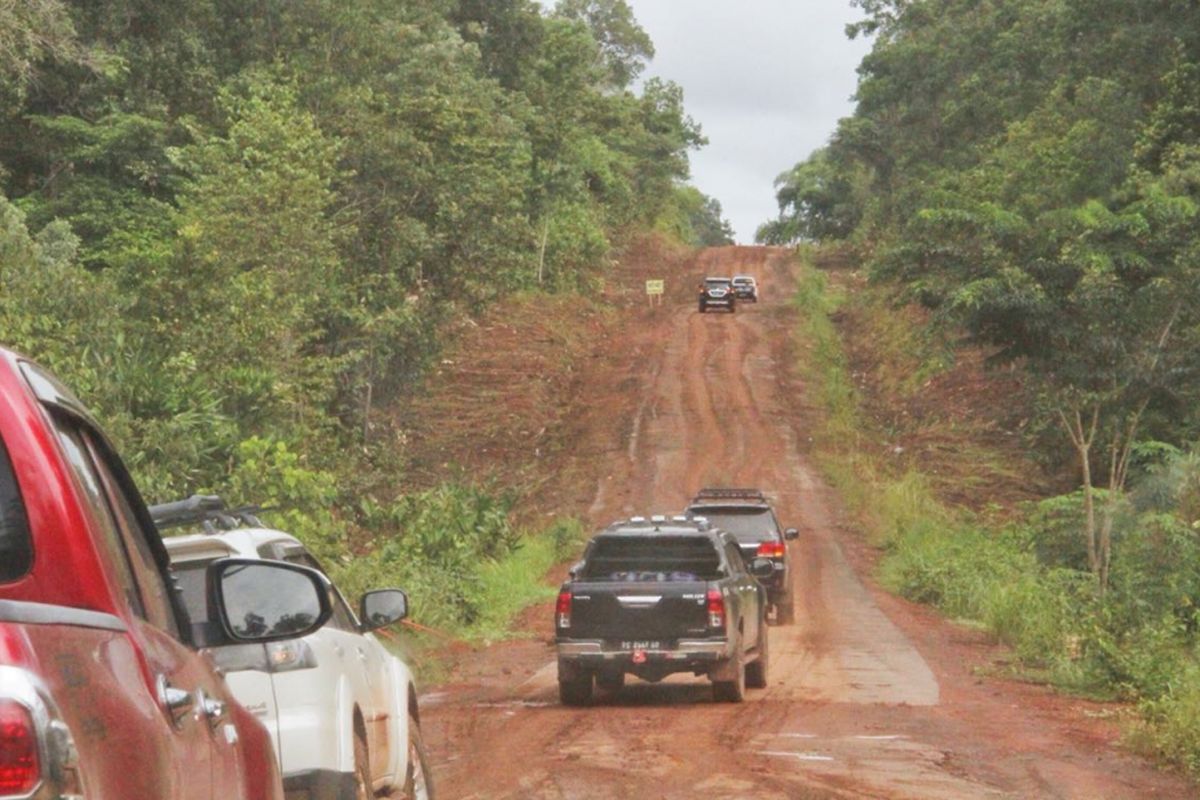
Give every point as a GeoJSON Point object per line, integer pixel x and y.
{"type": "Point", "coordinates": [762, 568]}
{"type": "Point", "coordinates": [575, 569]}
{"type": "Point", "coordinates": [791, 534]}
{"type": "Point", "coordinates": [265, 601]}
{"type": "Point", "coordinates": [382, 607]}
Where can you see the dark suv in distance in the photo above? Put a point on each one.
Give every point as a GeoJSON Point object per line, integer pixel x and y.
{"type": "Point", "coordinates": [717, 293]}
{"type": "Point", "coordinates": [749, 517]}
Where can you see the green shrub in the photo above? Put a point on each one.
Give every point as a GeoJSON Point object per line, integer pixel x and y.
{"type": "Point", "coordinates": [1171, 727]}
{"type": "Point", "coordinates": [1027, 582]}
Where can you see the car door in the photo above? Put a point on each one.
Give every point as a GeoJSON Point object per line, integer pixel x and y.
{"type": "Point", "coordinates": [349, 648]}
{"type": "Point", "coordinates": [379, 712]}
{"type": "Point", "coordinates": [747, 589]}
{"type": "Point", "coordinates": [390, 711]}
{"type": "Point", "coordinates": [171, 674]}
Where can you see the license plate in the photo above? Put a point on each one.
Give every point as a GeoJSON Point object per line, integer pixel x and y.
{"type": "Point", "coordinates": [641, 645]}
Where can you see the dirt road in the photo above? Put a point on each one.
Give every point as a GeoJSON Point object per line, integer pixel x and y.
{"type": "Point", "coordinates": [868, 696]}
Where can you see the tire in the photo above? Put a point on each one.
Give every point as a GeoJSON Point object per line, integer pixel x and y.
{"type": "Point", "coordinates": [418, 782]}
{"type": "Point", "coordinates": [576, 691]}
{"type": "Point", "coordinates": [612, 682]}
{"type": "Point", "coordinates": [364, 788]}
{"type": "Point", "coordinates": [785, 609]}
{"type": "Point", "coordinates": [756, 671]}
{"type": "Point", "coordinates": [733, 691]}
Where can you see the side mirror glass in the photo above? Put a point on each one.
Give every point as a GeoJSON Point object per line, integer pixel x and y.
{"type": "Point", "coordinates": [575, 569]}
{"type": "Point", "coordinates": [383, 607]}
{"type": "Point", "coordinates": [791, 534]}
{"type": "Point", "coordinates": [265, 601]}
{"type": "Point", "coordinates": [762, 568]}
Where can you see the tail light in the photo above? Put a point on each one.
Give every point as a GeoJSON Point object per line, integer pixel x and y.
{"type": "Point", "coordinates": [562, 609]}
{"type": "Point", "coordinates": [716, 609]}
{"type": "Point", "coordinates": [20, 767]}
{"type": "Point", "coordinates": [772, 550]}
{"type": "Point", "coordinates": [37, 751]}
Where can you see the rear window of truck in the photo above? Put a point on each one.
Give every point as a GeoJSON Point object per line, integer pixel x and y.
{"type": "Point", "coordinates": [747, 523]}
{"type": "Point", "coordinates": [652, 558]}
{"type": "Point", "coordinates": [16, 549]}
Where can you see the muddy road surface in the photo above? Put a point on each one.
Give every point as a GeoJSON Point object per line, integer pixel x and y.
{"type": "Point", "coordinates": [868, 696]}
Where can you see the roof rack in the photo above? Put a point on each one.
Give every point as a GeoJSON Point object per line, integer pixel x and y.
{"type": "Point", "coordinates": [729, 493]}
{"type": "Point", "coordinates": [208, 511]}
{"type": "Point", "coordinates": [657, 522]}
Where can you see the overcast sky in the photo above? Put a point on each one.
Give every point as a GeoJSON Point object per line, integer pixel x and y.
{"type": "Point", "coordinates": [766, 79]}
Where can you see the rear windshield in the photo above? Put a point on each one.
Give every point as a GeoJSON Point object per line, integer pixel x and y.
{"type": "Point", "coordinates": [16, 549]}
{"type": "Point", "coordinates": [717, 281]}
{"type": "Point", "coordinates": [747, 524]}
{"type": "Point", "coordinates": [652, 558]}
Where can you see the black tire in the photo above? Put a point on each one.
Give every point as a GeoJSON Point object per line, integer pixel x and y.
{"type": "Point", "coordinates": [611, 682]}
{"type": "Point", "coordinates": [785, 609]}
{"type": "Point", "coordinates": [733, 691]}
{"type": "Point", "coordinates": [364, 788]}
{"type": "Point", "coordinates": [756, 671]}
{"type": "Point", "coordinates": [418, 781]}
{"type": "Point", "coordinates": [576, 691]}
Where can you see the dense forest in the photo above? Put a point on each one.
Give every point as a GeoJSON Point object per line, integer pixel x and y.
{"type": "Point", "coordinates": [238, 229]}
{"type": "Point", "coordinates": [1029, 171]}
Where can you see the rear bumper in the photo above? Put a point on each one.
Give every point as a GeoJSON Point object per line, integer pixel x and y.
{"type": "Point", "coordinates": [686, 651]}
{"type": "Point", "coordinates": [318, 784]}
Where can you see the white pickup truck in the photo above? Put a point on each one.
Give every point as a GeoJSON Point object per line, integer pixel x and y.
{"type": "Point", "coordinates": [342, 710]}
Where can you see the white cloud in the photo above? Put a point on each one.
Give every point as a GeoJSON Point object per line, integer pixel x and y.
{"type": "Point", "coordinates": [766, 79]}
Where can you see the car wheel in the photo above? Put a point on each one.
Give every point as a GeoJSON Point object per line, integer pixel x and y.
{"type": "Point", "coordinates": [785, 609]}
{"type": "Point", "coordinates": [364, 789]}
{"type": "Point", "coordinates": [733, 691]}
{"type": "Point", "coordinates": [576, 691]}
{"type": "Point", "coordinates": [418, 783]}
{"type": "Point", "coordinates": [756, 671]}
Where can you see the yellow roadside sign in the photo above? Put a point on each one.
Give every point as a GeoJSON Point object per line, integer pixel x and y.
{"type": "Point", "coordinates": [655, 287]}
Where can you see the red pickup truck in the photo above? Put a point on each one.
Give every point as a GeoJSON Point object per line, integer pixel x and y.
{"type": "Point", "coordinates": [104, 693]}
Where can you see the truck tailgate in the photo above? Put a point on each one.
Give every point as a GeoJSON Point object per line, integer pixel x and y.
{"type": "Point", "coordinates": [617, 612]}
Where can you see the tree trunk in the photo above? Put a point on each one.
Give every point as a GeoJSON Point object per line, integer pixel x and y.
{"type": "Point", "coordinates": [542, 251]}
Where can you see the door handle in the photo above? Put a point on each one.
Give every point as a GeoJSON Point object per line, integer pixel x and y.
{"type": "Point", "coordinates": [212, 709]}
{"type": "Point", "coordinates": [178, 703]}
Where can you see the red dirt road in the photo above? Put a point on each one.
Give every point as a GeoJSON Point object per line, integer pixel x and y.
{"type": "Point", "coordinates": [869, 696]}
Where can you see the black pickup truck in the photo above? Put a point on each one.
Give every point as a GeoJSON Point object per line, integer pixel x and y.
{"type": "Point", "coordinates": [657, 596]}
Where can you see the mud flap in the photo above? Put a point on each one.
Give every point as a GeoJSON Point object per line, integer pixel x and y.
{"type": "Point", "coordinates": [724, 670]}
{"type": "Point", "coordinates": [570, 670]}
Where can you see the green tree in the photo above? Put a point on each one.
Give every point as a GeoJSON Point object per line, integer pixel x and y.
{"type": "Point", "coordinates": [624, 46]}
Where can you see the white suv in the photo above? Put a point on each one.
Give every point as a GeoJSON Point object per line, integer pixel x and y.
{"type": "Point", "coordinates": [341, 709]}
